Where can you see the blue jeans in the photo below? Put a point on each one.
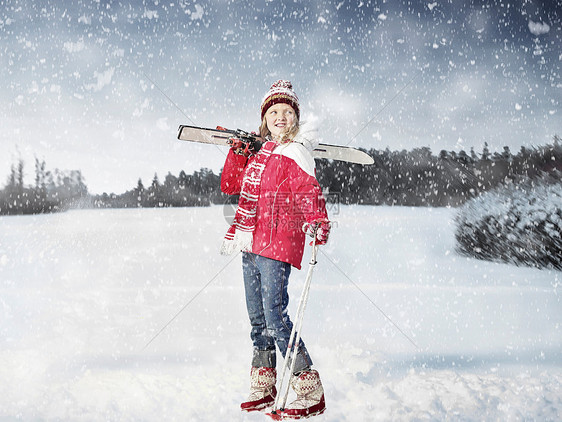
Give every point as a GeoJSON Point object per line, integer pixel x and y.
{"type": "Point", "coordinates": [265, 281]}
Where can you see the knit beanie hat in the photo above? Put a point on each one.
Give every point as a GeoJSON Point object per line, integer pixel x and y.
{"type": "Point", "coordinates": [280, 92]}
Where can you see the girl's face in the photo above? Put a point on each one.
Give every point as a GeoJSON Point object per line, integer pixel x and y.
{"type": "Point", "coordinates": [280, 118]}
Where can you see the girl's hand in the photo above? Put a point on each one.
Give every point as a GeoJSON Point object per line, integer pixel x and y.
{"type": "Point", "coordinates": [244, 147]}
{"type": "Point", "coordinates": [319, 226]}
{"type": "Point", "coordinates": [238, 146]}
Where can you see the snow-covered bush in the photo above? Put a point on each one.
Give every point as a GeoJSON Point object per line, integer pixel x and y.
{"type": "Point", "coordinates": [520, 223]}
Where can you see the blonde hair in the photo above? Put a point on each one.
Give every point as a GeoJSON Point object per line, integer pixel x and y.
{"type": "Point", "coordinates": [287, 137]}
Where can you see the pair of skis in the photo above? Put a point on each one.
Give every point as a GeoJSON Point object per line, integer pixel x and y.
{"type": "Point", "coordinates": [222, 136]}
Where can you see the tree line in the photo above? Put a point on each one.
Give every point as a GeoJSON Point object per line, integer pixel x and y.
{"type": "Point", "coordinates": [420, 178]}
{"type": "Point", "coordinates": [202, 188]}
{"type": "Point", "coordinates": [408, 178]}
{"type": "Point", "coordinates": [52, 191]}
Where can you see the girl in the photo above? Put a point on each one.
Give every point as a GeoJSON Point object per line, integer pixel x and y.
{"type": "Point", "coordinates": [279, 197]}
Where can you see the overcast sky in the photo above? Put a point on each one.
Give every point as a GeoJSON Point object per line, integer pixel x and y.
{"type": "Point", "coordinates": [101, 86]}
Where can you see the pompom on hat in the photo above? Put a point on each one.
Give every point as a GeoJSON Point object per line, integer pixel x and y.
{"type": "Point", "coordinates": [280, 92]}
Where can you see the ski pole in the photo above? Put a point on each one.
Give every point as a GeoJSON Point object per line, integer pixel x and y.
{"type": "Point", "coordinates": [294, 339]}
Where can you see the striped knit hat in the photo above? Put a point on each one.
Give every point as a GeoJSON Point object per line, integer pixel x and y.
{"type": "Point", "coordinates": [280, 92]}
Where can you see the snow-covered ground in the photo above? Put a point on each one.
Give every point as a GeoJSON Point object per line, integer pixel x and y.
{"type": "Point", "coordinates": [83, 292]}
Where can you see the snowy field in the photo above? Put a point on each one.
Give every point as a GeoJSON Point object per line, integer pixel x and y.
{"type": "Point", "coordinates": [83, 292]}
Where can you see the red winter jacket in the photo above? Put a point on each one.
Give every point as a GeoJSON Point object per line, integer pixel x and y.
{"type": "Point", "coordinates": [289, 196]}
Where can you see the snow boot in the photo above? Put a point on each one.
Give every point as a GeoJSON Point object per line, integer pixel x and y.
{"type": "Point", "coordinates": [262, 389]}
{"type": "Point", "coordinates": [310, 396]}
